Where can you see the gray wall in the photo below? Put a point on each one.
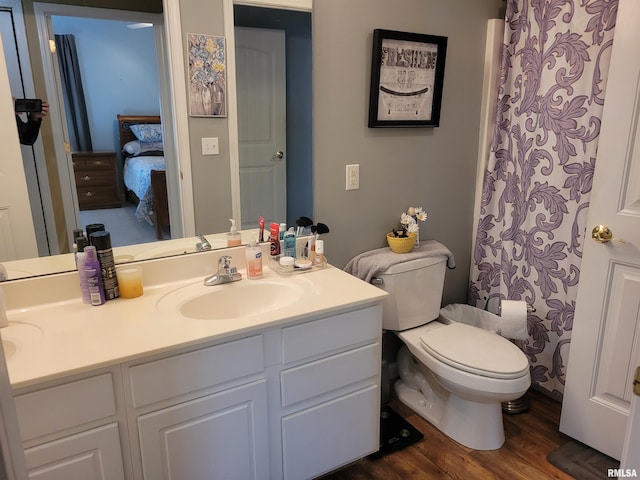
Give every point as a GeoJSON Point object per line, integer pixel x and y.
{"type": "Point", "coordinates": [400, 167]}
{"type": "Point", "coordinates": [211, 186]}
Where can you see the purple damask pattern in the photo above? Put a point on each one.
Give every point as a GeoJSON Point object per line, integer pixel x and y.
{"type": "Point", "coordinates": [538, 179]}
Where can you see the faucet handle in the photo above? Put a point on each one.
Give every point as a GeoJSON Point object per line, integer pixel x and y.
{"type": "Point", "coordinates": [224, 262]}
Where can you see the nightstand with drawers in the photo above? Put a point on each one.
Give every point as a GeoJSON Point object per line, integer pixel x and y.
{"type": "Point", "coordinates": [96, 176]}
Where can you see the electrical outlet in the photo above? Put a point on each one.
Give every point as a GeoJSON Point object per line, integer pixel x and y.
{"type": "Point", "coordinates": [353, 177]}
{"type": "Point", "coordinates": [210, 146]}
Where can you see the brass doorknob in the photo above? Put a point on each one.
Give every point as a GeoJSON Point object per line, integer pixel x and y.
{"type": "Point", "coordinates": [602, 234]}
{"type": "Point", "coordinates": [279, 154]}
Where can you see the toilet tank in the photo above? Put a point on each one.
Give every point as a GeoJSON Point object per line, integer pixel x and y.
{"type": "Point", "coordinates": [415, 292]}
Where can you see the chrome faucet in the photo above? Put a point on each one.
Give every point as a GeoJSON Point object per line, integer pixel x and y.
{"type": "Point", "coordinates": [225, 274]}
{"type": "Point", "coordinates": [203, 245]}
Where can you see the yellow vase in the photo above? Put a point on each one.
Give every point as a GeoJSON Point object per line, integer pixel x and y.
{"type": "Point", "coordinates": [401, 244]}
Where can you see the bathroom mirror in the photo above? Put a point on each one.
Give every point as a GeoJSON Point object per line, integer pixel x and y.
{"type": "Point", "coordinates": [250, 16]}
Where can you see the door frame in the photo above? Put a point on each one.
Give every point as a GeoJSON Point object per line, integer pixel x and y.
{"type": "Point", "coordinates": [168, 99]}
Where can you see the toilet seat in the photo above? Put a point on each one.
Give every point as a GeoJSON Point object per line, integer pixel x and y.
{"type": "Point", "coordinates": [476, 351]}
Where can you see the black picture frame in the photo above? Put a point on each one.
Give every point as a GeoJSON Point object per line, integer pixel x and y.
{"type": "Point", "coordinates": [407, 77]}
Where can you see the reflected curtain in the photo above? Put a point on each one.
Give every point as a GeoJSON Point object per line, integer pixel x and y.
{"type": "Point", "coordinates": [538, 179]}
{"type": "Point", "coordinates": [73, 93]}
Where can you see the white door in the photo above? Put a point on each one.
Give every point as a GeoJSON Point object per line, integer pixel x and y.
{"type": "Point", "coordinates": [17, 235]}
{"type": "Point", "coordinates": [605, 342]}
{"type": "Point", "coordinates": [16, 54]}
{"type": "Point", "coordinates": [260, 70]}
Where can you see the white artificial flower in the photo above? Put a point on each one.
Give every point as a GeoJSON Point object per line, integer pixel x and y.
{"type": "Point", "coordinates": [420, 214]}
{"type": "Point", "coordinates": [407, 220]}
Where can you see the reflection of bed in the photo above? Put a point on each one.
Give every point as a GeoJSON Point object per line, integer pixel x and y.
{"type": "Point", "coordinates": [144, 172]}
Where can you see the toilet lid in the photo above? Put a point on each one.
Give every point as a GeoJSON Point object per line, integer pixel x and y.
{"type": "Point", "coordinates": [474, 350]}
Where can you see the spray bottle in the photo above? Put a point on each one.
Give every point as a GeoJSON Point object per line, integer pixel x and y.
{"type": "Point", "coordinates": [94, 276]}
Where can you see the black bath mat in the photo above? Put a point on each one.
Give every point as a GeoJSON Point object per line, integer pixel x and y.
{"type": "Point", "coordinates": [581, 461]}
{"type": "Point", "coordinates": [395, 433]}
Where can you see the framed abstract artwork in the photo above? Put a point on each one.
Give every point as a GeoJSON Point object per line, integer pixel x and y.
{"type": "Point", "coordinates": [207, 76]}
{"type": "Point", "coordinates": [407, 76]}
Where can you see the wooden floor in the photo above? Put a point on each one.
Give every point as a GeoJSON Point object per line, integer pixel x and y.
{"type": "Point", "coordinates": [530, 437]}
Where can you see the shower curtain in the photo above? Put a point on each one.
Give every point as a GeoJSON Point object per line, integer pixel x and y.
{"type": "Point", "coordinates": [538, 178]}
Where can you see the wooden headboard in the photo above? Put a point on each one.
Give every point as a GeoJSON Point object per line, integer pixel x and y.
{"type": "Point", "coordinates": [125, 122]}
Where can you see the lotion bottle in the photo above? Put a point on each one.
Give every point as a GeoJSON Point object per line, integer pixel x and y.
{"type": "Point", "coordinates": [289, 243]}
{"type": "Point", "coordinates": [253, 255]}
{"type": "Point", "coordinates": [319, 260]}
{"type": "Point", "coordinates": [274, 242]}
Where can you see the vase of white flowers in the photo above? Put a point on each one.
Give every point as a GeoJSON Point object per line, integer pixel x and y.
{"type": "Point", "coordinates": [409, 227]}
{"type": "Point", "coordinates": [412, 217]}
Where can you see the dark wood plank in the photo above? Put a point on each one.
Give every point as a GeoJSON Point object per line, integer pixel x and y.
{"type": "Point", "coordinates": [530, 437]}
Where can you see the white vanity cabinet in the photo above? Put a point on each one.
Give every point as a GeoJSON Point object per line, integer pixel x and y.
{"type": "Point", "coordinates": [202, 414]}
{"type": "Point", "coordinates": [72, 430]}
{"type": "Point", "coordinates": [292, 400]}
{"type": "Point", "coordinates": [330, 392]}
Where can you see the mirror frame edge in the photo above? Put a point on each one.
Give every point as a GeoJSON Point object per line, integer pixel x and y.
{"type": "Point", "coordinates": [182, 218]}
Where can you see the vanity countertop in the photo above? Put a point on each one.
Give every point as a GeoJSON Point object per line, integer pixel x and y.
{"type": "Point", "coordinates": [58, 337]}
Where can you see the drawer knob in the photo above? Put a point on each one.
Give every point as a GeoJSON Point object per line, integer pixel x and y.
{"type": "Point", "coordinates": [86, 178]}
{"type": "Point", "coordinates": [88, 194]}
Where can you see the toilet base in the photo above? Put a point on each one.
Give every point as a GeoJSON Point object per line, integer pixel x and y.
{"type": "Point", "coordinates": [472, 424]}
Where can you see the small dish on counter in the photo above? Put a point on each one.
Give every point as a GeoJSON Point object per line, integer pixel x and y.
{"type": "Point", "coordinates": [303, 263]}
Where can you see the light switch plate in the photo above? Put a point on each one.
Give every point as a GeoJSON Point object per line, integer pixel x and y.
{"type": "Point", "coordinates": [210, 146]}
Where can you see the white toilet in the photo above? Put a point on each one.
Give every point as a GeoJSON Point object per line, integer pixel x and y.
{"type": "Point", "coordinates": [454, 375]}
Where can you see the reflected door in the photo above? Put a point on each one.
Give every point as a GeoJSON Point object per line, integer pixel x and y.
{"type": "Point", "coordinates": [19, 70]}
{"type": "Point", "coordinates": [260, 67]}
{"type": "Point", "coordinates": [17, 235]}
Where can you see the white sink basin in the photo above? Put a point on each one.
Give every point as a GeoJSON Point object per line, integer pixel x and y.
{"type": "Point", "coordinates": [244, 298]}
{"type": "Point", "coordinates": [16, 335]}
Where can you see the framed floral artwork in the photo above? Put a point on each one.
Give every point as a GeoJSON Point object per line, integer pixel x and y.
{"type": "Point", "coordinates": [407, 76]}
{"type": "Point", "coordinates": [207, 76]}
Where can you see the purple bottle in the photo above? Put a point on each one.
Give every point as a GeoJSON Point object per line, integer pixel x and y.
{"type": "Point", "coordinates": [94, 276]}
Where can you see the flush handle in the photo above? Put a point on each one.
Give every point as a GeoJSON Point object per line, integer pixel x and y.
{"type": "Point", "coordinates": [602, 234]}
